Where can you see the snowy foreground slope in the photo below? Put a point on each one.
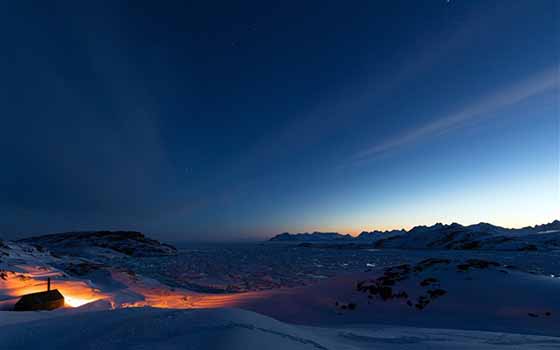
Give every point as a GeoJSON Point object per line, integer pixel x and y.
{"type": "Point", "coordinates": [148, 328]}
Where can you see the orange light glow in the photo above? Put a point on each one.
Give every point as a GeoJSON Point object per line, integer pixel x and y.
{"type": "Point", "coordinates": [75, 301]}
{"type": "Point", "coordinates": [139, 292]}
{"type": "Point", "coordinates": [158, 295]}
{"type": "Point", "coordinates": [33, 280]}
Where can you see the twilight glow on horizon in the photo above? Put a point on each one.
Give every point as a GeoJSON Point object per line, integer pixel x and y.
{"type": "Point", "coordinates": [193, 121]}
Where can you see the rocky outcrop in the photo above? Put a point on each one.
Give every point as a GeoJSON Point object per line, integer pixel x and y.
{"type": "Point", "coordinates": [130, 243]}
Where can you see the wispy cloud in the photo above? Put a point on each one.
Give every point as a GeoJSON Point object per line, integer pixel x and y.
{"type": "Point", "coordinates": [478, 110]}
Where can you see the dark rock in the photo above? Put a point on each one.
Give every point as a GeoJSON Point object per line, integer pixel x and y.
{"type": "Point", "coordinates": [422, 302]}
{"type": "Point", "coordinates": [528, 248]}
{"type": "Point", "coordinates": [430, 262]}
{"type": "Point", "coordinates": [436, 293]}
{"type": "Point", "coordinates": [82, 268]}
{"type": "Point", "coordinates": [477, 263]}
{"type": "Point", "coordinates": [426, 282]}
{"type": "Point", "coordinates": [470, 245]}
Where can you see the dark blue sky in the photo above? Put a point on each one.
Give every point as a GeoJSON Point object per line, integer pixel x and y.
{"type": "Point", "coordinates": [235, 119]}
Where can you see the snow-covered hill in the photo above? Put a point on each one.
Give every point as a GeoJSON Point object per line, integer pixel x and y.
{"type": "Point", "coordinates": [96, 243]}
{"type": "Point", "coordinates": [436, 292]}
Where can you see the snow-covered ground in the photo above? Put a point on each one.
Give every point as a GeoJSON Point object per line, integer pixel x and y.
{"type": "Point", "coordinates": [119, 296]}
{"type": "Point", "coordinates": [149, 328]}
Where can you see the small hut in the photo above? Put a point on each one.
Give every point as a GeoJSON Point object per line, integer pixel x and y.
{"type": "Point", "coordinates": [48, 300]}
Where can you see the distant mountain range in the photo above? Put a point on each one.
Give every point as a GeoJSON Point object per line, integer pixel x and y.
{"type": "Point", "coordinates": [440, 236]}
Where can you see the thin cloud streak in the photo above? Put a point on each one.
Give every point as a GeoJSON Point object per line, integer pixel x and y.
{"type": "Point", "coordinates": [535, 85]}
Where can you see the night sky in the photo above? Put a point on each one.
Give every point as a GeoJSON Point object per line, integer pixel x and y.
{"type": "Point", "coordinates": [230, 120]}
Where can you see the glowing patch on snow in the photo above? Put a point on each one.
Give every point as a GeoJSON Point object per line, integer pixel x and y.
{"type": "Point", "coordinates": [33, 279]}
{"type": "Point", "coordinates": [76, 302]}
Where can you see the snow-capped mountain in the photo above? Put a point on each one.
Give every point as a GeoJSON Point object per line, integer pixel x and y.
{"type": "Point", "coordinates": [376, 235]}
{"type": "Point", "coordinates": [312, 237]}
{"type": "Point", "coordinates": [480, 236]}
{"type": "Point", "coordinates": [452, 236]}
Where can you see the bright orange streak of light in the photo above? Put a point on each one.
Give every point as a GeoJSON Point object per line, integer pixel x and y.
{"type": "Point", "coordinates": [159, 295]}
{"type": "Point", "coordinates": [162, 298]}
{"type": "Point", "coordinates": [153, 294]}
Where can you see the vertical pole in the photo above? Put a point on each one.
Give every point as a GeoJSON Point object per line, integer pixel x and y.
{"type": "Point", "coordinates": [48, 283]}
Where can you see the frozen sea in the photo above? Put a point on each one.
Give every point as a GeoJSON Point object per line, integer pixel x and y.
{"type": "Point", "coordinates": [241, 267]}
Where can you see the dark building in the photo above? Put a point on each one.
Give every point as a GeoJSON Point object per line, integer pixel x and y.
{"type": "Point", "coordinates": [48, 300]}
